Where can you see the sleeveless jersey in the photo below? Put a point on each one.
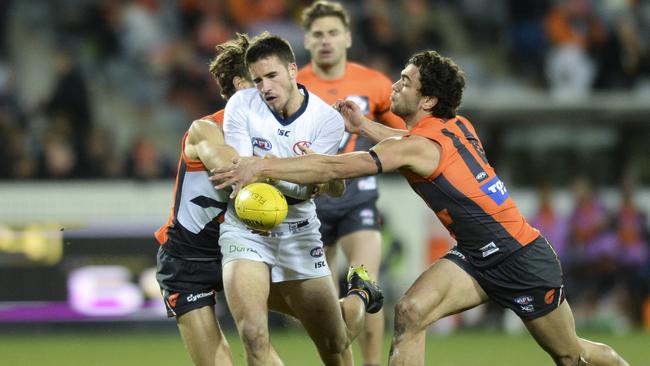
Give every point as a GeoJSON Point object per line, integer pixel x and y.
{"type": "Point", "coordinates": [192, 231]}
{"type": "Point", "coordinates": [467, 195]}
{"type": "Point", "coordinates": [370, 90]}
{"type": "Point", "coordinates": [254, 130]}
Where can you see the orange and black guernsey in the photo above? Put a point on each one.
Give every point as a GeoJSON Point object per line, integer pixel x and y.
{"type": "Point", "coordinates": [467, 195]}
{"type": "Point", "coordinates": [192, 230]}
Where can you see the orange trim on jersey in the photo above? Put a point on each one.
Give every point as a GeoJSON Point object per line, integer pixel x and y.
{"type": "Point", "coordinates": [192, 165]}
{"type": "Point", "coordinates": [455, 161]}
{"type": "Point", "coordinates": [161, 234]}
{"type": "Point", "coordinates": [195, 165]}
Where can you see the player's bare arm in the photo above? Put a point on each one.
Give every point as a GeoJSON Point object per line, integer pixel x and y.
{"type": "Point", "coordinates": [205, 142]}
{"type": "Point", "coordinates": [334, 188]}
{"type": "Point", "coordinates": [356, 122]}
{"type": "Point", "coordinates": [415, 153]}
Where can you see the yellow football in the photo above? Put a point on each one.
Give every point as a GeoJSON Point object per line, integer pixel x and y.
{"type": "Point", "coordinates": [261, 206]}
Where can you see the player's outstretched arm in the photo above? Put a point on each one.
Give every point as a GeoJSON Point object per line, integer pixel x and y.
{"type": "Point", "coordinates": [205, 142]}
{"type": "Point", "coordinates": [418, 154]}
{"type": "Point", "coordinates": [355, 122]}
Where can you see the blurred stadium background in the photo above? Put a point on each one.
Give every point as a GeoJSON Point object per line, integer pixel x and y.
{"type": "Point", "coordinates": [95, 95]}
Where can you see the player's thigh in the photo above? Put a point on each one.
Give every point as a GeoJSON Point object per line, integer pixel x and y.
{"type": "Point", "coordinates": [316, 305]}
{"type": "Point", "coordinates": [363, 247]}
{"type": "Point", "coordinates": [199, 325]}
{"type": "Point", "coordinates": [555, 332]}
{"type": "Point", "coordinates": [277, 302]}
{"type": "Point", "coordinates": [246, 283]}
{"type": "Point", "coordinates": [443, 289]}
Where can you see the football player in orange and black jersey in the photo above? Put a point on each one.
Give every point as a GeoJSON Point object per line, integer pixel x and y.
{"type": "Point", "coordinates": [498, 255]}
{"type": "Point", "coordinates": [350, 221]}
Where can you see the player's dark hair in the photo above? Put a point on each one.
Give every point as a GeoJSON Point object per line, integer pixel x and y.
{"type": "Point", "coordinates": [324, 8]}
{"type": "Point", "coordinates": [440, 77]}
{"type": "Point", "coordinates": [229, 63]}
{"type": "Point", "coordinates": [267, 45]}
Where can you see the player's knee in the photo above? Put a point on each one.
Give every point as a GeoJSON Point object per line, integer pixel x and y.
{"type": "Point", "coordinates": [255, 337]}
{"type": "Point", "coordinates": [570, 358]}
{"type": "Point", "coordinates": [333, 345]}
{"type": "Point", "coordinates": [408, 315]}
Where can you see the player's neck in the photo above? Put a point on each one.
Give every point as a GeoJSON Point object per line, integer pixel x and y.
{"type": "Point", "coordinates": [293, 104]}
{"type": "Point", "coordinates": [329, 72]}
{"type": "Point", "coordinates": [416, 117]}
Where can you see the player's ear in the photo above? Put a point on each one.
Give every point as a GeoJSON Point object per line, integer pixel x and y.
{"type": "Point", "coordinates": [235, 82]}
{"type": "Point", "coordinates": [428, 103]}
{"type": "Point", "coordinates": [293, 70]}
{"type": "Point", "coordinates": [348, 39]}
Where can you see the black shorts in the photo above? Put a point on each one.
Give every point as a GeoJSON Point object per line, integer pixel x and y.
{"type": "Point", "coordinates": [337, 223]}
{"type": "Point", "coordinates": [187, 284]}
{"type": "Point", "coordinates": [529, 282]}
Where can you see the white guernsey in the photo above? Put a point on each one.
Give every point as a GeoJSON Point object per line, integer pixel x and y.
{"type": "Point", "coordinates": [254, 130]}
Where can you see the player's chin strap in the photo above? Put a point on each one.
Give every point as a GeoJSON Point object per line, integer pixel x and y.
{"type": "Point", "coordinates": [374, 156]}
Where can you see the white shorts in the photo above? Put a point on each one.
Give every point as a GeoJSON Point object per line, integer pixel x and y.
{"type": "Point", "coordinates": [293, 250]}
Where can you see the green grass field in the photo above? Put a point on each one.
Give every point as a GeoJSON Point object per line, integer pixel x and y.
{"type": "Point", "coordinates": [165, 348]}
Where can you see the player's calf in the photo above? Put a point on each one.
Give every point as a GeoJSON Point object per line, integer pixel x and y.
{"type": "Point", "coordinates": [360, 284]}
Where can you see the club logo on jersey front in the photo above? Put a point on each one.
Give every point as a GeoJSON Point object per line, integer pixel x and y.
{"type": "Point", "coordinates": [298, 145]}
{"type": "Point", "coordinates": [261, 143]}
{"type": "Point", "coordinates": [496, 190]}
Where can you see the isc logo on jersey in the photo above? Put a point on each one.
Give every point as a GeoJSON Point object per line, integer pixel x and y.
{"type": "Point", "coordinates": [496, 190]}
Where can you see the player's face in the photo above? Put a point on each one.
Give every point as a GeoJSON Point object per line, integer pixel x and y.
{"type": "Point", "coordinates": [327, 41]}
{"type": "Point", "coordinates": [405, 99]}
{"type": "Point", "coordinates": [275, 81]}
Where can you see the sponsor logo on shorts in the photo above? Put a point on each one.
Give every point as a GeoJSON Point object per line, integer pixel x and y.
{"type": "Point", "coordinates": [489, 249]}
{"type": "Point", "coordinates": [298, 145]}
{"type": "Point", "coordinates": [550, 295]}
{"type": "Point", "coordinates": [524, 300]}
{"type": "Point", "coordinates": [367, 217]}
{"type": "Point", "coordinates": [457, 254]}
{"type": "Point", "coordinates": [261, 143]}
{"type": "Point", "coordinates": [496, 190]}
{"type": "Point", "coordinates": [194, 297]}
{"type": "Point", "coordinates": [316, 252]}
{"type": "Point", "coordinates": [528, 308]}
{"type": "Point", "coordinates": [480, 176]}
{"type": "Point", "coordinates": [237, 249]}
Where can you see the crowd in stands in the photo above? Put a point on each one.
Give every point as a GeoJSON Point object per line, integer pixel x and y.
{"type": "Point", "coordinates": [128, 76]}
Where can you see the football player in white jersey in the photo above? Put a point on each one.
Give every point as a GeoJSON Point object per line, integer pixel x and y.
{"type": "Point", "coordinates": [277, 118]}
{"type": "Point", "coordinates": [189, 257]}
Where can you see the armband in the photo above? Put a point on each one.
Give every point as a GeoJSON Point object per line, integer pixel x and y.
{"type": "Point", "coordinates": [374, 156]}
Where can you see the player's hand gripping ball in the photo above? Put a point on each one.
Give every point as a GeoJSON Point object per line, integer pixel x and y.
{"type": "Point", "coordinates": [261, 206]}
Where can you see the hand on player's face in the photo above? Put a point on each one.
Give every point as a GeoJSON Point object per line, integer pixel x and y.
{"type": "Point", "coordinates": [242, 172]}
{"type": "Point", "coordinates": [352, 115]}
